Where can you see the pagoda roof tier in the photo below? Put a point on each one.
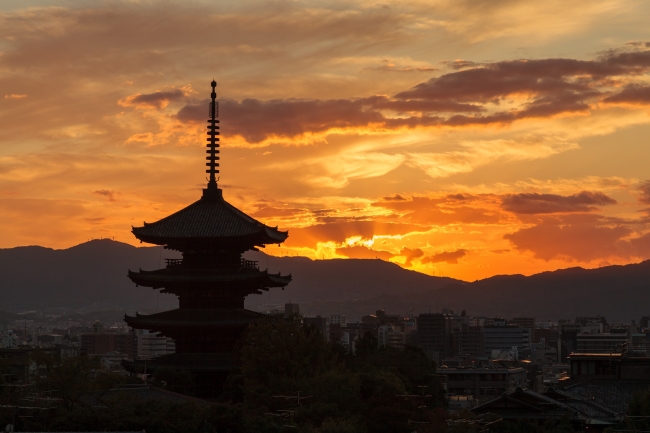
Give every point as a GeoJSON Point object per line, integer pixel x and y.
{"type": "Point", "coordinates": [210, 220]}
{"type": "Point", "coordinates": [186, 361]}
{"type": "Point", "coordinates": [194, 318]}
{"type": "Point", "coordinates": [179, 276]}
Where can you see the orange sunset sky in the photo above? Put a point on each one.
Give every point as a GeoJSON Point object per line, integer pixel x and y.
{"type": "Point", "coordinates": [456, 138]}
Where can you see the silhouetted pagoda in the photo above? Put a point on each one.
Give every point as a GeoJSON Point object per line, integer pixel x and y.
{"type": "Point", "coordinates": [211, 280]}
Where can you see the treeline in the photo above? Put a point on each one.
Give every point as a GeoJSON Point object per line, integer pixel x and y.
{"type": "Point", "coordinates": [288, 378]}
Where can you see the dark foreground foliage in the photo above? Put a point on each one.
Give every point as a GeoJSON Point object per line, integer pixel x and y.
{"type": "Point", "coordinates": [288, 379]}
{"type": "Point", "coordinates": [339, 392]}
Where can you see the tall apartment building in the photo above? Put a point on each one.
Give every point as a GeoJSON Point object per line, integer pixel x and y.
{"type": "Point", "coordinates": [337, 319]}
{"type": "Point", "coordinates": [391, 336]}
{"type": "Point", "coordinates": [433, 333]}
{"type": "Point", "coordinates": [472, 341]}
{"type": "Point", "coordinates": [291, 310]}
{"type": "Point", "coordinates": [321, 323]}
{"type": "Point", "coordinates": [388, 319]}
{"type": "Point", "coordinates": [99, 343]}
{"type": "Point", "coordinates": [503, 338]}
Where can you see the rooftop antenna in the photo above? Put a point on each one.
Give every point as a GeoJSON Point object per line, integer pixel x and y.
{"type": "Point", "coordinates": [213, 140]}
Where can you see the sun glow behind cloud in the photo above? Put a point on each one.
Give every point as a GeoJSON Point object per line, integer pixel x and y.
{"type": "Point", "coordinates": [448, 137]}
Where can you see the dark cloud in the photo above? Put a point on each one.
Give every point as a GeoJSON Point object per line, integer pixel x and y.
{"type": "Point", "coordinates": [631, 94]}
{"type": "Point", "coordinates": [257, 120]}
{"type": "Point", "coordinates": [153, 100]}
{"type": "Point", "coordinates": [540, 77]}
{"type": "Point", "coordinates": [461, 64]}
{"type": "Point", "coordinates": [410, 254]}
{"type": "Point", "coordinates": [638, 44]}
{"type": "Point", "coordinates": [157, 99]}
{"type": "Point", "coordinates": [534, 203]}
{"type": "Point", "coordinates": [418, 106]}
{"type": "Point", "coordinates": [394, 68]}
{"type": "Point", "coordinates": [460, 197]}
{"type": "Point", "coordinates": [396, 197]}
{"type": "Point", "coordinates": [95, 221]}
{"type": "Point", "coordinates": [110, 195]}
{"type": "Point", "coordinates": [450, 257]}
{"type": "Point", "coordinates": [549, 87]}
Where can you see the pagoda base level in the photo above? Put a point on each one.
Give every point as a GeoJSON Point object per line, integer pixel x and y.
{"type": "Point", "coordinates": [210, 370]}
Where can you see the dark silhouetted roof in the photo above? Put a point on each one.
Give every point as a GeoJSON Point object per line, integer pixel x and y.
{"type": "Point", "coordinates": [195, 317]}
{"type": "Point", "coordinates": [527, 404]}
{"type": "Point", "coordinates": [211, 217]}
{"type": "Point", "coordinates": [162, 277]}
{"type": "Point", "coordinates": [140, 392]}
{"type": "Point", "coordinates": [613, 394]}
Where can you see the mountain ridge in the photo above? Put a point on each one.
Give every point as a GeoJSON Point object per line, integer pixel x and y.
{"type": "Point", "coordinates": [93, 275]}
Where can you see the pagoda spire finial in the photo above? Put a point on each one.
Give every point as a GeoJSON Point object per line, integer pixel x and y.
{"type": "Point", "coordinates": [213, 139]}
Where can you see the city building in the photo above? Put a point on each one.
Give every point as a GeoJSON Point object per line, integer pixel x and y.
{"type": "Point", "coordinates": [391, 336]}
{"type": "Point", "coordinates": [99, 343]}
{"type": "Point", "coordinates": [433, 334]}
{"type": "Point", "coordinates": [211, 279]}
{"type": "Point", "coordinates": [9, 340]}
{"type": "Point", "coordinates": [523, 322]}
{"type": "Point", "coordinates": [388, 319]}
{"type": "Point", "coordinates": [480, 382]}
{"type": "Point", "coordinates": [151, 345]}
{"type": "Point", "coordinates": [291, 310]}
{"type": "Point", "coordinates": [505, 338]}
{"type": "Point", "coordinates": [50, 339]}
{"type": "Point", "coordinates": [321, 323]}
{"type": "Point", "coordinates": [472, 341]}
{"type": "Point", "coordinates": [337, 319]}
{"type": "Point", "coordinates": [600, 342]}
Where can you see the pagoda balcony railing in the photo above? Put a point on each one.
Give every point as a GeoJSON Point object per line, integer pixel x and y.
{"type": "Point", "coordinates": [173, 262]}
{"type": "Point", "coordinates": [250, 264]}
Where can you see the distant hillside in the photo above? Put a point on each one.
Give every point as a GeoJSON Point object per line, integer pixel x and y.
{"type": "Point", "coordinates": [342, 279]}
{"type": "Point", "coordinates": [620, 293]}
{"type": "Point", "coordinates": [92, 276]}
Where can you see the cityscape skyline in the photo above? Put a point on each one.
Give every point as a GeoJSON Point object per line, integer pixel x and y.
{"type": "Point", "coordinates": [418, 133]}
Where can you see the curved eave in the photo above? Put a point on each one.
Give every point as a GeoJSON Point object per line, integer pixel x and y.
{"type": "Point", "coordinates": [214, 318]}
{"type": "Point", "coordinates": [265, 236]}
{"type": "Point", "coordinates": [210, 219]}
{"type": "Point", "coordinates": [162, 277]}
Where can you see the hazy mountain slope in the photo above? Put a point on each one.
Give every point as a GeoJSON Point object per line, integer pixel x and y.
{"type": "Point", "coordinates": [341, 279]}
{"type": "Point", "coordinates": [618, 292]}
{"type": "Point", "coordinates": [93, 273]}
